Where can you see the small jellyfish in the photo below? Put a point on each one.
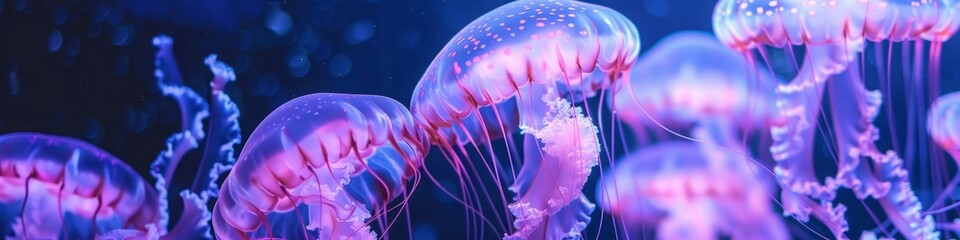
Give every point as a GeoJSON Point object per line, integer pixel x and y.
{"type": "Point", "coordinates": [522, 66]}
{"type": "Point", "coordinates": [321, 166]}
{"type": "Point", "coordinates": [690, 81]}
{"type": "Point", "coordinates": [834, 35]}
{"type": "Point", "coordinates": [669, 186]}
{"type": "Point", "coordinates": [942, 125]}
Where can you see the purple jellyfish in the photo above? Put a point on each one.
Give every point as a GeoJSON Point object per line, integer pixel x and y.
{"type": "Point", "coordinates": [692, 85]}
{"type": "Point", "coordinates": [523, 66]}
{"type": "Point", "coordinates": [320, 166]}
{"type": "Point", "coordinates": [942, 128]}
{"type": "Point", "coordinates": [691, 78]}
{"type": "Point", "coordinates": [56, 187]}
{"type": "Point", "coordinates": [834, 34]}
{"type": "Point", "coordinates": [96, 194]}
{"type": "Point", "coordinates": [942, 123]}
{"type": "Point", "coordinates": [672, 185]}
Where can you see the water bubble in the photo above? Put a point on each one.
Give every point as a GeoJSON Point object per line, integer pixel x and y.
{"type": "Point", "coordinates": [246, 40]}
{"type": "Point", "coordinates": [59, 15]}
{"type": "Point", "coordinates": [242, 64]}
{"type": "Point", "coordinates": [323, 50]}
{"type": "Point", "coordinates": [92, 130]}
{"type": "Point", "coordinates": [122, 35]}
{"type": "Point", "coordinates": [340, 65]}
{"type": "Point", "coordinates": [72, 45]}
{"type": "Point", "coordinates": [55, 41]}
{"type": "Point", "coordinates": [135, 120]}
{"type": "Point", "coordinates": [298, 62]}
{"type": "Point", "coordinates": [264, 86]}
{"type": "Point", "coordinates": [114, 16]}
{"type": "Point", "coordinates": [22, 5]}
{"type": "Point", "coordinates": [359, 32]}
{"type": "Point", "coordinates": [279, 21]}
{"type": "Point", "coordinates": [424, 231]}
{"type": "Point", "coordinates": [657, 8]}
{"type": "Point", "coordinates": [408, 38]}
{"type": "Point", "coordinates": [325, 4]}
{"type": "Point", "coordinates": [121, 64]}
{"type": "Point", "coordinates": [440, 195]}
{"type": "Point", "coordinates": [100, 12]}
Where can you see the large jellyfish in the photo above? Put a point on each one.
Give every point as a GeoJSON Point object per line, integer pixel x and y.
{"type": "Point", "coordinates": [97, 195]}
{"type": "Point", "coordinates": [522, 66]}
{"type": "Point", "coordinates": [671, 186]}
{"type": "Point", "coordinates": [834, 34]}
{"type": "Point", "coordinates": [320, 166]}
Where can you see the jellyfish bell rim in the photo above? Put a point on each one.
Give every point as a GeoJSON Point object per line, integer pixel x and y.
{"type": "Point", "coordinates": [737, 23]}
{"type": "Point", "coordinates": [113, 172]}
{"type": "Point", "coordinates": [444, 97]}
{"type": "Point", "coordinates": [279, 180]}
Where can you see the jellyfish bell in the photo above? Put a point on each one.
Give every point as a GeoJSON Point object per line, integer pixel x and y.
{"type": "Point", "coordinates": [320, 166]}
{"type": "Point", "coordinates": [691, 80]}
{"type": "Point", "coordinates": [64, 187]}
{"type": "Point", "coordinates": [523, 44]}
{"type": "Point", "coordinates": [669, 185]}
{"type": "Point", "coordinates": [745, 24]}
{"type": "Point", "coordinates": [834, 35]}
{"type": "Point", "coordinates": [509, 69]}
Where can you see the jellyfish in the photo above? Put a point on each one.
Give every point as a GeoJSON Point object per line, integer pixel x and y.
{"type": "Point", "coordinates": [834, 34]}
{"type": "Point", "coordinates": [521, 68]}
{"type": "Point", "coordinates": [942, 128]}
{"type": "Point", "coordinates": [58, 187]}
{"type": "Point", "coordinates": [670, 186]}
{"type": "Point", "coordinates": [941, 125]}
{"type": "Point", "coordinates": [98, 195]}
{"type": "Point", "coordinates": [690, 78]}
{"type": "Point", "coordinates": [321, 166]}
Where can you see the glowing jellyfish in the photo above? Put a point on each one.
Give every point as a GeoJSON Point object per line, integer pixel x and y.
{"type": "Point", "coordinates": [834, 33]}
{"type": "Point", "coordinates": [942, 123]}
{"type": "Point", "coordinates": [59, 187]}
{"type": "Point", "coordinates": [521, 66]}
{"type": "Point", "coordinates": [670, 186]}
{"type": "Point", "coordinates": [690, 78]}
{"type": "Point", "coordinates": [320, 166]}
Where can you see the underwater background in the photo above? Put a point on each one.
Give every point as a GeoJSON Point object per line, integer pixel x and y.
{"type": "Point", "coordinates": [84, 69]}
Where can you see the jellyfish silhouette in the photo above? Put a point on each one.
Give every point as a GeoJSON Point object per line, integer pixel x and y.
{"type": "Point", "coordinates": [522, 66]}
{"type": "Point", "coordinates": [98, 195]}
{"type": "Point", "coordinates": [320, 166]}
{"type": "Point", "coordinates": [673, 185]}
{"type": "Point", "coordinates": [834, 34]}
{"type": "Point", "coordinates": [692, 84]}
